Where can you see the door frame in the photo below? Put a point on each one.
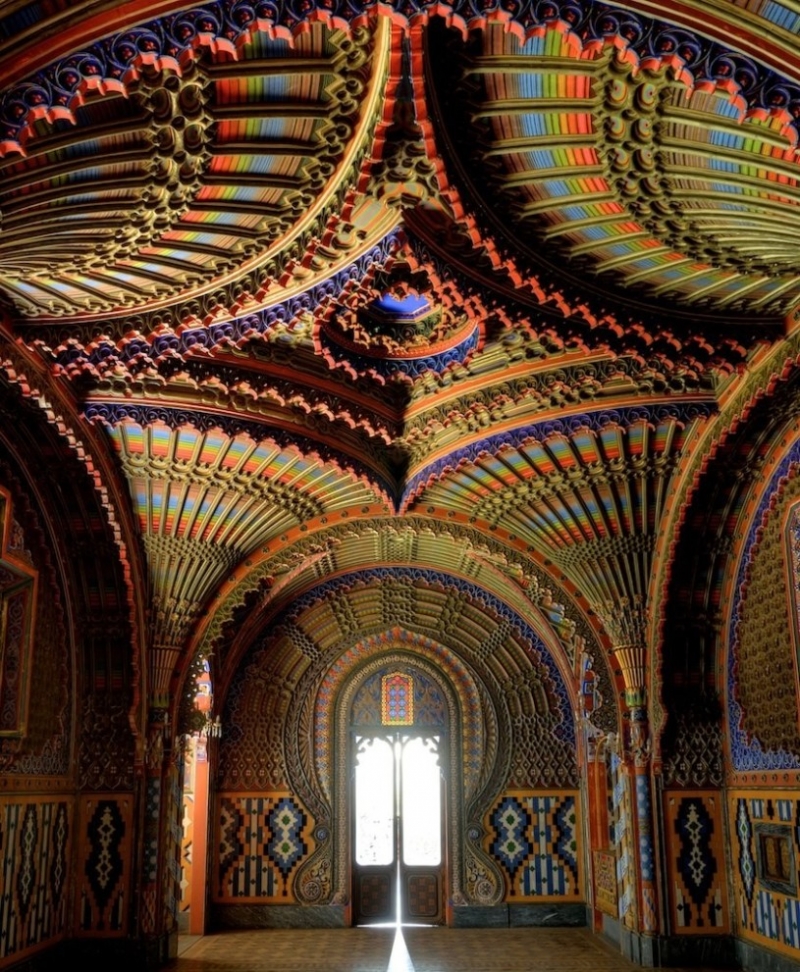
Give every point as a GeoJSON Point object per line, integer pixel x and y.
{"type": "Point", "coordinates": [398, 868]}
{"type": "Point", "coordinates": [343, 803]}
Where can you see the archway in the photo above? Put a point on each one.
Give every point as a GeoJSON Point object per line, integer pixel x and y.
{"type": "Point", "coordinates": [398, 743]}
{"type": "Point", "coordinates": [284, 804]}
{"type": "Point", "coordinates": [457, 730]}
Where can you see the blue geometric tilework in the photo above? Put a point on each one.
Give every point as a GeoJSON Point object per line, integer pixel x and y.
{"type": "Point", "coordinates": [796, 819]}
{"type": "Point", "coordinates": [27, 877]}
{"type": "Point", "coordinates": [766, 916]}
{"type": "Point", "coordinates": [621, 830]}
{"type": "Point", "coordinates": [567, 844]}
{"type": "Point", "coordinates": [151, 820]}
{"type": "Point", "coordinates": [106, 832]}
{"type": "Point", "coordinates": [105, 865]}
{"type": "Point", "coordinates": [791, 922]}
{"type": "Point", "coordinates": [646, 855]}
{"type": "Point", "coordinates": [287, 846]}
{"type": "Point", "coordinates": [172, 874]}
{"type": "Point", "coordinates": [767, 904]}
{"type": "Point", "coordinates": [511, 821]}
{"type": "Point", "coordinates": [649, 909]}
{"type": "Point", "coordinates": [262, 839]}
{"type": "Point", "coordinates": [698, 892]}
{"type": "Point", "coordinates": [534, 838]}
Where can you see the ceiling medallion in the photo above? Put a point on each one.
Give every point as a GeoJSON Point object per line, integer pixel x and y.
{"type": "Point", "coordinates": [398, 327]}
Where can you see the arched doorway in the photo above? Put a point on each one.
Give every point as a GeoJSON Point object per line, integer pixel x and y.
{"type": "Point", "coordinates": [398, 828]}
{"type": "Point", "coordinates": [399, 766]}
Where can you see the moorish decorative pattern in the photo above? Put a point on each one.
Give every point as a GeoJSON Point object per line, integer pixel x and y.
{"type": "Point", "coordinates": [762, 735]}
{"type": "Point", "coordinates": [106, 822]}
{"type": "Point", "coordinates": [767, 917]}
{"type": "Point", "coordinates": [621, 827]}
{"type": "Point", "coordinates": [536, 840]}
{"type": "Point", "coordinates": [36, 841]}
{"type": "Point", "coordinates": [698, 893]}
{"type": "Point", "coordinates": [454, 343]}
{"type": "Point", "coordinates": [263, 839]}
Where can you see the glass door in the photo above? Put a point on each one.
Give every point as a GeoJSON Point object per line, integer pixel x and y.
{"type": "Point", "coordinates": [420, 856]}
{"type": "Point", "coordinates": [375, 867]}
{"type": "Point", "coordinates": [398, 862]}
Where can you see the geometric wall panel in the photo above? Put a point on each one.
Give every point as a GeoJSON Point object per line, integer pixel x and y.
{"type": "Point", "coordinates": [262, 839]}
{"type": "Point", "coordinates": [106, 826]}
{"type": "Point", "coordinates": [621, 834]}
{"type": "Point", "coordinates": [606, 896]}
{"type": "Point", "coordinates": [777, 868]}
{"type": "Point", "coordinates": [765, 852]}
{"type": "Point", "coordinates": [696, 860]}
{"type": "Point", "coordinates": [35, 843]}
{"type": "Point", "coordinates": [535, 838]}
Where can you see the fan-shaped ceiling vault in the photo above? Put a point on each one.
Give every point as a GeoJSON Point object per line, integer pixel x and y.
{"type": "Point", "coordinates": [372, 288]}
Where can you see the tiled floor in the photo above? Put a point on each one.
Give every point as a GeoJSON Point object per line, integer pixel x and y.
{"type": "Point", "coordinates": [409, 950]}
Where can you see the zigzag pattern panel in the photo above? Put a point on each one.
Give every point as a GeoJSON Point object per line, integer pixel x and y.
{"type": "Point", "coordinates": [35, 838]}
{"type": "Point", "coordinates": [697, 886]}
{"type": "Point", "coordinates": [106, 826]}
{"type": "Point", "coordinates": [262, 839]}
{"type": "Point", "coordinates": [766, 863]}
{"type": "Point", "coordinates": [621, 826]}
{"type": "Point", "coordinates": [535, 838]}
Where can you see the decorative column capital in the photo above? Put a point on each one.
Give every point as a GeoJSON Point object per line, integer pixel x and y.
{"type": "Point", "coordinates": [639, 744]}
{"type": "Point", "coordinates": [625, 619]}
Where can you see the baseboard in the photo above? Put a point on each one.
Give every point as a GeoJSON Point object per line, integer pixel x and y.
{"type": "Point", "coordinates": [520, 916]}
{"type": "Point", "coordinates": [276, 916]}
{"type": "Point", "coordinates": [756, 958]}
{"type": "Point", "coordinates": [480, 916]}
{"type": "Point", "coordinates": [547, 915]}
{"type": "Point", "coordinates": [687, 951]}
{"type": "Point", "coordinates": [612, 930]}
{"type": "Point", "coordinates": [699, 951]}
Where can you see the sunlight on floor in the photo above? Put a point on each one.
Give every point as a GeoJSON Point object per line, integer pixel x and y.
{"type": "Point", "coordinates": [400, 960]}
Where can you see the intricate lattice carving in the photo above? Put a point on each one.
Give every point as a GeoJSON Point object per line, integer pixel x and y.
{"type": "Point", "coordinates": [106, 744]}
{"type": "Point", "coordinates": [539, 757]}
{"type": "Point", "coordinates": [693, 748]}
{"type": "Point", "coordinates": [313, 883]}
{"type": "Point", "coordinates": [766, 684]}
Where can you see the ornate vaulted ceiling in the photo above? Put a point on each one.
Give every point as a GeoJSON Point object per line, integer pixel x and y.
{"type": "Point", "coordinates": [451, 292]}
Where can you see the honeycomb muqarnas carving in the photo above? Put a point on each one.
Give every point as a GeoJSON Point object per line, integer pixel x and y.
{"type": "Point", "coordinates": [767, 684]}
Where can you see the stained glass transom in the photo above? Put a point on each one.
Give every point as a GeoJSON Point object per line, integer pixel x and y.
{"type": "Point", "coordinates": [397, 700]}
